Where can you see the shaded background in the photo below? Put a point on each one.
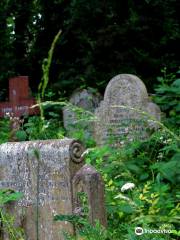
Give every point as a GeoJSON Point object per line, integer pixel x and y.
{"type": "Point", "coordinates": [100, 39]}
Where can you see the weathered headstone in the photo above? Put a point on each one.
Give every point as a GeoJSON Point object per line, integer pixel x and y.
{"type": "Point", "coordinates": [19, 101]}
{"type": "Point", "coordinates": [88, 180]}
{"type": "Point", "coordinates": [43, 171]}
{"type": "Point", "coordinates": [123, 114]}
{"type": "Point", "coordinates": [78, 115]}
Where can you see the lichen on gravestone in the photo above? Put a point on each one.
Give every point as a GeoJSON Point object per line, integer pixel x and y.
{"type": "Point", "coordinates": [44, 171]}
{"type": "Point", "coordinates": [126, 113]}
{"type": "Point", "coordinates": [79, 114]}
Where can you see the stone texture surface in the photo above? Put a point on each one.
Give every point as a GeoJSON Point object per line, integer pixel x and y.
{"type": "Point", "coordinates": [42, 171]}
{"type": "Point", "coordinates": [120, 117]}
{"type": "Point", "coordinates": [75, 120]}
{"type": "Point", "coordinates": [89, 181]}
{"type": "Point", "coordinates": [49, 174]}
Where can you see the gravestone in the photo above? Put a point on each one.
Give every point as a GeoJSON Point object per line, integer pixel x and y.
{"type": "Point", "coordinates": [123, 114]}
{"type": "Point", "coordinates": [88, 180]}
{"type": "Point", "coordinates": [80, 113]}
{"type": "Point", "coordinates": [43, 171]}
{"type": "Point", "coordinates": [19, 101]}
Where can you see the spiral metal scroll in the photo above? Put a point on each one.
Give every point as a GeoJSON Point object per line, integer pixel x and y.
{"type": "Point", "coordinates": [76, 150]}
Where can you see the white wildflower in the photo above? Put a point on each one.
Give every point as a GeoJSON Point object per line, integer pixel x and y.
{"type": "Point", "coordinates": [127, 186]}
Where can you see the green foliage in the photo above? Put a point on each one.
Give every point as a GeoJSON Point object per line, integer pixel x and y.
{"type": "Point", "coordinates": [6, 49]}
{"type": "Point", "coordinates": [80, 127]}
{"type": "Point", "coordinates": [7, 196]}
{"type": "Point", "coordinates": [46, 66]}
{"type": "Point", "coordinates": [4, 130]}
{"type": "Point", "coordinates": [45, 78]}
{"type": "Point", "coordinates": [21, 135]}
{"type": "Point", "coordinates": [98, 38]}
{"type": "Point", "coordinates": [34, 128]}
{"type": "Point", "coordinates": [85, 230]}
{"type": "Point", "coordinates": [37, 127]}
{"type": "Point", "coordinates": [152, 166]}
{"type": "Point", "coordinates": [48, 129]}
{"type": "Point", "coordinates": [90, 30]}
{"type": "Point", "coordinates": [168, 97]}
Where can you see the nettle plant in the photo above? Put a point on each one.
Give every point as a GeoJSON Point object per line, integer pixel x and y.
{"type": "Point", "coordinates": [141, 185]}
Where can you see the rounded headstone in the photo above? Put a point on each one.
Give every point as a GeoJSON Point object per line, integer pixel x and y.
{"type": "Point", "coordinates": [78, 115]}
{"type": "Point", "coordinates": [126, 89]}
{"type": "Point", "coordinates": [124, 112]}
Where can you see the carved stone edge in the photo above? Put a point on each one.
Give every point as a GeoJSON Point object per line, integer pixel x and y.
{"type": "Point", "coordinates": [88, 180]}
{"type": "Point", "coordinates": [76, 150]}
